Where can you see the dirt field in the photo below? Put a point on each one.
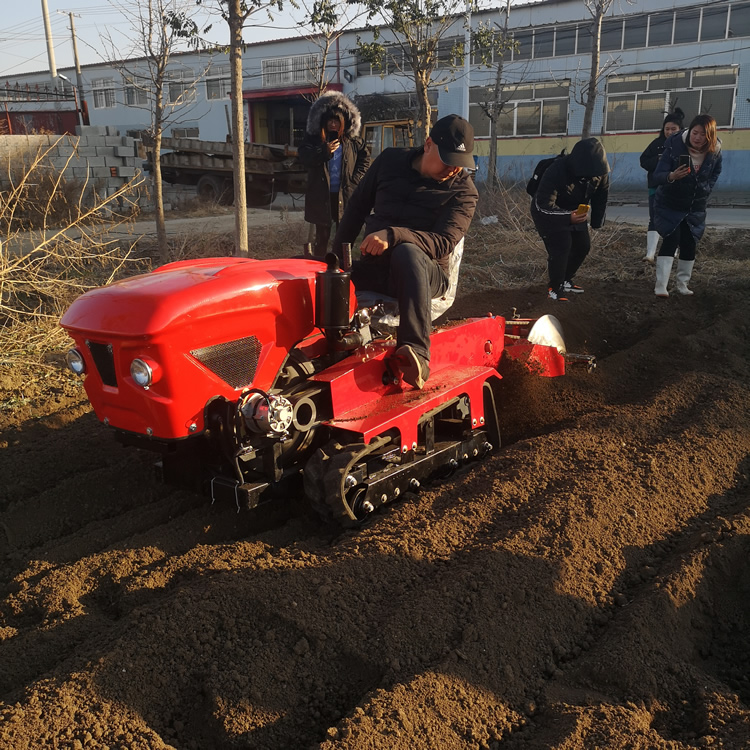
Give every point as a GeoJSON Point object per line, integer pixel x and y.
{"type": "Point", "coordinates": [587, 586]}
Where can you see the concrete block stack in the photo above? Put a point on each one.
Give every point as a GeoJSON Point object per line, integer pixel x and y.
{"type": "Point", "coordinates": [97, 154]}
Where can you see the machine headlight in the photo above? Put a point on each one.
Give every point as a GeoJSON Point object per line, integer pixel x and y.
{"type": "Point", "coordinates": [75, 362]}
{"type": "Point", "coordinates": [142, 372]}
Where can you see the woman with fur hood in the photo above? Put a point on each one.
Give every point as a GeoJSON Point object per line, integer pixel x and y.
{"type": "Point", "coordinates": [336, 158]}
{"type": "Point", "coordinates": [649, 160]}
{"type": "Point", "coordinates": [686, 175]}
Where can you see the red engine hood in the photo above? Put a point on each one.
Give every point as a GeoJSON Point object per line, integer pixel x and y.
{"type": "Point", "coordinates": [179, 293]}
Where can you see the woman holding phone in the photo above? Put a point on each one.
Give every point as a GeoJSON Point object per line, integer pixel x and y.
{"type": "Point", "coordinates": [336, 158]}
{"type": "Point", "coordinates": [685, 176]}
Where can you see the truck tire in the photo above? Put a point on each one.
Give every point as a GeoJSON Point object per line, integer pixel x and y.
{"type": "Point", "coordinates": [258, 198]}
{"type": "Point", "coordinates": [212, 189]}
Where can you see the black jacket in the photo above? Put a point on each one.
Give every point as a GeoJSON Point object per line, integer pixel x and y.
{"type": "Point", "coordinates": [685, 198]}
{"type": "Point", "coordinates": [650, 157]}
{"type": "Point", "coordinates": [580, 177]}
{"type": "Point", "coordinates": [395, 196]}
{"type": "Point", "coordinates": [313, 153]}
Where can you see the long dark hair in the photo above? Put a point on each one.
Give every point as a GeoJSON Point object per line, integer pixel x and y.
{"type": "Point", "coordinates": [709, 125]}
{"type": "Point", "coordinates": [676, 116]}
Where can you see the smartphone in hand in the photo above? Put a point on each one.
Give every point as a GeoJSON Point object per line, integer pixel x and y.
{"type": "Point", "coordinates": [685, 160]}
{"type": "Point", "coordinates": [583, 208]}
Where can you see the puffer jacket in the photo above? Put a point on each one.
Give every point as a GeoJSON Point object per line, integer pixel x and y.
{"type": "Point", "coordinates": [686, 198]}
{"type": "Point", "coordinates": [395, 197]}
{"type": "Point", "coordinates": [651, 155]}
{"type": "Point", "coordinates": [580, 177]}
{"type": "Point", "coordinates": [314, 154]}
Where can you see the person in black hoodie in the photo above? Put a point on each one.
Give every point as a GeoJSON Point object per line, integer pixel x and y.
{"type": "Point", "coordinates": [581, 177]}
{"type": "Point", "coordinates": [649, 159]}
{"type": "Point", "coordinates": [336, 158]}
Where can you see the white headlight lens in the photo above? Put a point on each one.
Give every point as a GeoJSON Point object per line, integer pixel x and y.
{"type": "Point", "coordinates": [142, 373]}
{"type": "Point", "coordinates": [75, 362]}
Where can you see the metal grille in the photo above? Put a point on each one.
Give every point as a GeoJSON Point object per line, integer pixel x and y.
{"type": "Point", "coordinates": [235, 362]}
{"type": "Point", "coordinates": [104, 361]}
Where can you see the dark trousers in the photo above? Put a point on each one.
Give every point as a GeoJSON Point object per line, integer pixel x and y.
{"type": "Point", "coordinates": [683, 238]}
{"type": "Point", "coordinates": [323, 231]}
{"type": "Point", "coordinates": [414, 279]}
{"type": "Point", "coordinates": [566, 251]}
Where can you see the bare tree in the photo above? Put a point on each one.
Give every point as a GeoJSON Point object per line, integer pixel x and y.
{"type": "Point", "coordinates": [323, 23]}
{"type": "Point", "coordinates": [156, 27]}
{"type": "Point", "coordinates": [597, 71]}
{"type": "Point", "coordinates": [421, 45]}
{"type": "Point", "coordinates": [236, 14]}
{"type": "Point", "coordinates": [490, 44]}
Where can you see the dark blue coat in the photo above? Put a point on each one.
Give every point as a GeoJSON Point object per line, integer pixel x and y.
{"type": "Point", "coordinates": [685, 198]}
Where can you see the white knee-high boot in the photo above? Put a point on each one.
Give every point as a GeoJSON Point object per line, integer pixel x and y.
{"type": "Point", "coordinates": [652, 240]}
{"type": "Point", "coordinates": [663, 269]}
{"type": "Point", "coordinates": [684, 272]}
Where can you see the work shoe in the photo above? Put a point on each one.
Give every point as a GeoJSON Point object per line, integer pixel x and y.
{"type": "Point", "coordinates": [569, 287]}
{"type": "Point", "coordinates": [556, 296]}
{"type": "Point", "coordinates": [414, 369]}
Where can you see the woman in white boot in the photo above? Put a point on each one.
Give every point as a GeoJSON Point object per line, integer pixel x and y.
{"type": "Point", "coordinates": [649, 160]}
{"type": "Point", "coordinates": [686, 174]}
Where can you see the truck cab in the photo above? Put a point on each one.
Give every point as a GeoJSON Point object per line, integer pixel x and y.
{"type": "Point", "coordinates": [387, 133]}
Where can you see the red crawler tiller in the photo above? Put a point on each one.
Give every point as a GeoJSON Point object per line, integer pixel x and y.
{"type": "Point", "coordinates": [248, 376]}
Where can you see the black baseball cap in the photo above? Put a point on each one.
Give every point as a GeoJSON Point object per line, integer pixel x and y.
{"type": "Point", "coordinates": [454, 138]}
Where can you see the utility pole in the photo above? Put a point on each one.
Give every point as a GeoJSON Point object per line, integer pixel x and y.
{"type": "Point", "coordinates": [84, 112]}
{"type": "Point", "coordinates": [467, 60]}
{"type": "Point", "coordinates": [50, 47]}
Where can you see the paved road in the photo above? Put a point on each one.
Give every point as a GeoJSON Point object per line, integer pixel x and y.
{"type": "Point", "coordinates": [257, 218]}
{"type": "Point", "coordinates": [716, 217]}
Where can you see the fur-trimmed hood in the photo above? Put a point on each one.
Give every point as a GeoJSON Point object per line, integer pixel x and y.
{"type": "Point", "coordinates": [336, 103]}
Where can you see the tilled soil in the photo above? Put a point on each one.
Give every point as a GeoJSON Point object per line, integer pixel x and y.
{"type": "Point", "coordinates": [585, 586]}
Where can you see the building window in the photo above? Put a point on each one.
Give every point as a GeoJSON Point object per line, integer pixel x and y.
{"type": "Point", "coordinates": [218, 82]}
{"type": "Point", "coordinates": [682, 26]}
{"type": "Point", "coordinates": [136, 91]}
{"type": "Point", "coordinates": [640, 102]}
{"type": "Point", "coordinates": [394, 60]}
{"type": "Point", "coordinates": [611, 35]}
{"type": "Point", "coordinates": [635, 32]}
{"type": "Point", "coordinates": [288, 71]}
{"type": "Point", "coordinates": [526, 110]}
{"type": "Point", "coordinates": [660, 29]}
{"type": "Point", "coordinates": [714, 23]}
{"type": "Point", "coordinates": [525, 41]}
{"type": "Point", "coordinates": [565, 41]}
{"type": "Point", "coordinates": [544, 42]}
{"type": "Point", "coordinates": [180, 86]}
{"type": "Point", "coordinates": [739, 19]}
{"type": "Point", "coordinates": [450, 52]}
{"type": "Point", "coordinates": [187, 132]}
{"type": "Point", "coordinates": [104, 93]}
{"type": "Point", "coordinates": [585, 40]}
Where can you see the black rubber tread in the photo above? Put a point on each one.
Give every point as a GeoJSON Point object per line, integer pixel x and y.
{"type": "Point", "coordinates": [323, 479]}
{"type": "Point", "coordinates": [313, 479]}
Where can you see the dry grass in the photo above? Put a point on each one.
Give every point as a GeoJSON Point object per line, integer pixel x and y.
{"type": "Point", "coordinates": [508, 253]}
{"type": "Point", "coordinates": [43, 269]}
